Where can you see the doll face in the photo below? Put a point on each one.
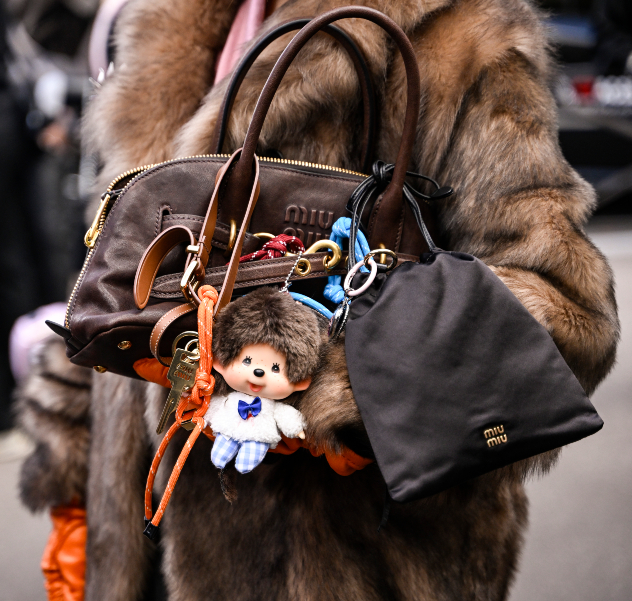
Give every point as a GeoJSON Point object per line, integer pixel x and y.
{"type": "Point", "coordinates": [260, 370]}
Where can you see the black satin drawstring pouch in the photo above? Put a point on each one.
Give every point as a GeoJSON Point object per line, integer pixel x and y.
{"type": "Point", "coordinates": [452, 375]}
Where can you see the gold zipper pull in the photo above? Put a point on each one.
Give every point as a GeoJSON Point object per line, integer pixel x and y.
{"type": "Point", "coordinates": [92, 234]}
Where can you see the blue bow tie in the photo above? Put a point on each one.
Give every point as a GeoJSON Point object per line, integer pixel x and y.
{"type": "Point", "coordinates": [248, 409]}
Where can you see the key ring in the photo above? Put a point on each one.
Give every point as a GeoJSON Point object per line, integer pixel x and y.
{"type": "Point", "coordinates": [347, 284]}
{"type": "Point", "coordinates": [187, 334]}
{"type": "Point", "coordinates": [195, 353]}
{"type": "Point", "coordinates": [382, 251]}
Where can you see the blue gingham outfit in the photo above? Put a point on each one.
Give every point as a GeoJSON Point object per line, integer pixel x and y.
{"type": "Point", "coordinates": [249, 453]}
{"type": "Point", "coordinates": [246, 427]}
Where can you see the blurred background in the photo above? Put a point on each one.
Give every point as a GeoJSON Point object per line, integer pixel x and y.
{"type": "Point", "coordinates": [579, 544]}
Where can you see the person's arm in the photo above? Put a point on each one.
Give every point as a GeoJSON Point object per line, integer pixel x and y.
{"type": "Point", "coordinates": [52, 408]}
{"type": "Point", "coordinates": [522, 209]}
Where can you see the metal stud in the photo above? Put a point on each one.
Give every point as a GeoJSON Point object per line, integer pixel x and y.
{"type": "Point", "coordinates": [124, 345]}
{"type": "Point", "coordinates": [100, 369]}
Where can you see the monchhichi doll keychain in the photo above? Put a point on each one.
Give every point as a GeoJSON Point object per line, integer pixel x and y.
{"type": "Point", "coordinates": [263, 344]}
{"type": "Point", "coordinates": [265, 347]}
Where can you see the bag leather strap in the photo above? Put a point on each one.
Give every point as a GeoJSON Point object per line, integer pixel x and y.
{"type": "Point", "coordinates": [167, 240]}
{"type": "Point", "coordinates": [163, 323]}
{"type": "Point", "coordinates": [260, 273]}
{"type": "Point", "coordinates": [359, 62]}
{"type": "Point", "coordinates": [388, 212]}
{"type": "Point", "coordinates": [171, 237]}
{"type": "Point", "coordinates": [231, 273]}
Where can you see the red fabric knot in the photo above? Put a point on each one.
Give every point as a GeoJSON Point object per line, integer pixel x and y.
{"type": "Point", "coordinates": [275, 248]}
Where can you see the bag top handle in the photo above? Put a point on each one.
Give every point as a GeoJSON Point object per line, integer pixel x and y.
{"type": "Point", "coordinates": [243, 172]}
{"type": "Point", "coordinates": [362, 70]}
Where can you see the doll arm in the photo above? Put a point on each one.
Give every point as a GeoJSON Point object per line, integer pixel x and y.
{"type": "Point", "coordinates": [217, 402]}
{"type": "Point", "coordinates": [289, 420]}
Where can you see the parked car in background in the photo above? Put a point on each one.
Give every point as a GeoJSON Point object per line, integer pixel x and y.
{"type": "Point", "coordinates": [594, 91]}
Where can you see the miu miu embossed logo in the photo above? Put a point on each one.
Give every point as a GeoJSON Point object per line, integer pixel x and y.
{"type": "Point", "coordinates": [307, 217]}
{"type": "Point", "coordinates": [495, 436]}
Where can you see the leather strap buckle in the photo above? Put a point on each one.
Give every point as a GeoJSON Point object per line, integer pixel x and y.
{"type": "Point", "coordinates": [189, 283]}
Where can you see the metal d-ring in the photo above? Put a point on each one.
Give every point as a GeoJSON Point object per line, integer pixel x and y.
{"type": "Point", "coordinates": [382, 251]}
{"type": "Point", "coordinates": [264, 236]}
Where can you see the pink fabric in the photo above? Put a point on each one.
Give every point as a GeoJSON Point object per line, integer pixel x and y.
{"type": "Point", "coordinates": [247, 21]}
{"type": "Point", "coordinates": [99, 36]}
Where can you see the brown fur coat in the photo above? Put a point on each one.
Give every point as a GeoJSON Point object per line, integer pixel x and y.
{"type": "Point", "coordinates": [487, 127]}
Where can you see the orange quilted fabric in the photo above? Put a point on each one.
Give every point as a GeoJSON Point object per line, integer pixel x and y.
{"type": "Point", "coordinates": [64, 560]}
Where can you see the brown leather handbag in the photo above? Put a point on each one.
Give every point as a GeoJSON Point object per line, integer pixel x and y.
{"type": "Point", "coordinates": [138, 278]}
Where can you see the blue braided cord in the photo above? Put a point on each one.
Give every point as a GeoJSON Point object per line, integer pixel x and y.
{"type": "Point", "coordinates": [339, 232]}
{"type": "Point", "coordinates": [310, 302]}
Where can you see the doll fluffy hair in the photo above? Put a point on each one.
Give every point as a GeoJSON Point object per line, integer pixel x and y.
{"type": "Point", "coordinates": [267, 316]}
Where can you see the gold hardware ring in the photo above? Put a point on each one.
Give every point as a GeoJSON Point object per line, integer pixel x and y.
{"type": "Point", "coordinates": [382, 251]}
{"type": "Point", "coordinates": [330, 245]}
{"type": "Point", "coordinates": [303, 267]}
{"type": "Point", "coordinates": [232, 237]}
{"type": "Point", "coordinates": [264, 235]}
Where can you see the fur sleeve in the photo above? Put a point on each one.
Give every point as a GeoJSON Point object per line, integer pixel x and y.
{"type": "Point", "coordinates": [521, 208]}
{"type": "Point", "coordinates": [288, 419]}
{"type": "Point", "coordinates": [164, 64]}
{"type": "Point", "coordinates": [53, 409]}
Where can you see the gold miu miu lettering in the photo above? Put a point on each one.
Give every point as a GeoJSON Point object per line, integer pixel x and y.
{"type": "Point", "coordinates": [495, 436]}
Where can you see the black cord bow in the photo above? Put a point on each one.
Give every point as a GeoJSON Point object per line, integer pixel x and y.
{"type": "Point", "coordinates": [382, 175]}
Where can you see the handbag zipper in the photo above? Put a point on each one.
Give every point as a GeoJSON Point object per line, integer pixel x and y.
{"type": "Point", "coordinates": [90, 239]}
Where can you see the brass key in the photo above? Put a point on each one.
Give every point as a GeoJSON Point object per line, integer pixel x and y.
{"type": "Point", "coordinates": [181, 374]}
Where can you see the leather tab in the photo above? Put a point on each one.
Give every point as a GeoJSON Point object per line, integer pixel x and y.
{"type": "Point", "coordinates": [153, 257]}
